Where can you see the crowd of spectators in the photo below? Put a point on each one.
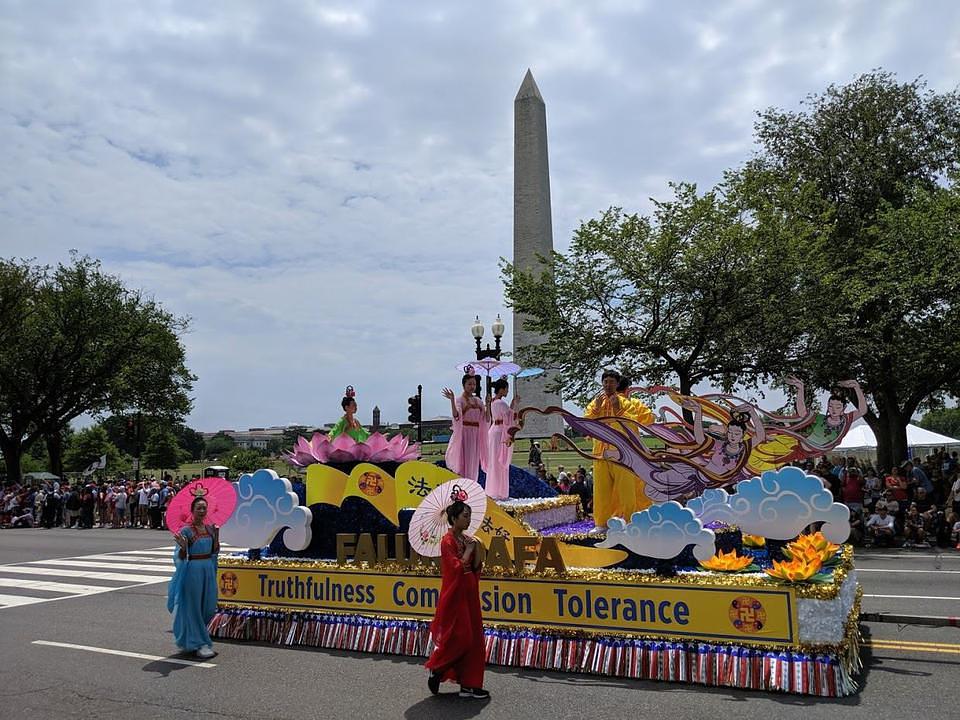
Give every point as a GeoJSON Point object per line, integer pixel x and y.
{"type": "Point", "coordinates": [916, 504]}
{"type": "Point", "coordinates": [88, 503]}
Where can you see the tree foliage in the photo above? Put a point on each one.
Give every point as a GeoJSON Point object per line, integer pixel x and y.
{"type": "Point", "coordinates": [81, 342]}
{"type": "Point", "coordinates": [162, 451]}
{"type": "Point", "coordinates": [87, 446]}
{"type": "Point", "coordinates": [862, 181]}
{"type": "Point", "coordinates": [680, 296]}
{"type": "Point", "coordinates": [219, 445]}
{"type": "Point", "coordinates": [945, 421]}
{"type": "Point", "coordinates": [245, 460]}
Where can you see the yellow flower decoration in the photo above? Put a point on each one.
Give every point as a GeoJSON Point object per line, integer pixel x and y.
{"type": "Point", "coordinates": [754, 541]}
{"type": "Point", "coordinates": [813, 545]}
{"type": "Point", "coordinates": [727, 562]}
{"type": "Point", "coordinates": [799, 569]}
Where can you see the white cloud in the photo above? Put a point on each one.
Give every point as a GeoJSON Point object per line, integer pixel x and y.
{"type": "Point", "coordinates": [326, 187]}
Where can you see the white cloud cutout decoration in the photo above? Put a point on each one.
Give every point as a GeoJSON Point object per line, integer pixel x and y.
{"type": "Point", "coordinates": [777, 505]}
{"type": "Point", "coordinates": [266, 505]}
{"type": "Point", "coordinates": [661, 531]}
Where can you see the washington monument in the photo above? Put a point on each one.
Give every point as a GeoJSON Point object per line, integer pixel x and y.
{"type": "Point", "coordinates": [532, 235]}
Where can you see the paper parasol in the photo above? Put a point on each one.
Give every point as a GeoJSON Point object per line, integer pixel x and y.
{"type": "Point", "coordinates": [429, 522]}
{"type": "Point", "coordinates": [530, 372]}
{"type": "Point", "coordinates": [489, 367]}
{"type": "Point", "coordinates": [221, 499]}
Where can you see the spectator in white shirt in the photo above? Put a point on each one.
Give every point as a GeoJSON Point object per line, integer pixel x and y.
{"type": "Point", "coordinates": [880, 527]}
{"type": "Point", "coordinates": [143, 501]}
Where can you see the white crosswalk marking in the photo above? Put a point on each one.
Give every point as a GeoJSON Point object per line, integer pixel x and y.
{"type": "Point", "coordinates": [72, 577]}
{"type": "Point", "coordinates": [78, 563]}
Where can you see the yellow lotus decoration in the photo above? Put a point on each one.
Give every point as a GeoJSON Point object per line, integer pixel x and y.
{"type": "Point", "coordinates": [727, 562]}
{"type": "Point", "coordinates": [754, 541]}
{"type": "Point", "coordinates": [798, 569]}
{"type": "Point", "coordinates": [812, 546]}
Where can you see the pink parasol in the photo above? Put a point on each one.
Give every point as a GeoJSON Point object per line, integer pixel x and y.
{"type": "Point", "coordinates": [221, 499]}
{"type": "Point", "coordinates": [489, 367]}
{"type": "Point", "coordinates": [429, 522]}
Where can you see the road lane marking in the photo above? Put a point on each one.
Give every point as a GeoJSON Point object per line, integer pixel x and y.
{"type": "Point", "coordinates": [53, 586]}
{"type": "Point", "coordinates": [167, 559]}
{"type": "Point", "coordinates": [126, 653]}
{"type": "Point", "coordinates": [16, 600]}
{"type": "Point", "coordinates": [914, 597]}
{"type": "Point", "coordinates": [947, 555]}
{"type": "Point", "coordinates": [118, 577]}
{"type": "Point", "coordinates": [913, 647]}
{"type": "Point", "coordinates": [921, 643]}
{"type": "Point", "coordinates": [893, 570]}
{"type": "Point", "coordinates": [105, 565]}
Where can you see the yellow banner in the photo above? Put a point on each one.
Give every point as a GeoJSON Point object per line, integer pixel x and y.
{"type": "Point", "coordinates": [710, 613]}
{"type": "Point", "coordinates": [377, 487]}
{"type": "Point", "coordinates": [413, 481]}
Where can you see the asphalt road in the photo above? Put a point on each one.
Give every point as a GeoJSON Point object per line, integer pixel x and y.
{"type": "Point", "coordinates": [903, 677]}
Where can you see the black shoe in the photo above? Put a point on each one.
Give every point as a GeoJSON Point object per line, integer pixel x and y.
{"type": "Point", "coordinates": [477, 693]}
{"type": "Point", "coordinates": [433, 682]}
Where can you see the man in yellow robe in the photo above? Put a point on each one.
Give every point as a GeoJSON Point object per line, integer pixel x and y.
{"type": "Point", "coordinates": [617, 492]}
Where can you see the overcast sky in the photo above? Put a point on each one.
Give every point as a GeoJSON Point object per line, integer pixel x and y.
{"type": "Point", "coordinates": [326, 188]}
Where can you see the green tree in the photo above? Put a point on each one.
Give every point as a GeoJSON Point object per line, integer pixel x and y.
{"type": "Point", "coordinates": [190, 441]}
{"type": "Point", "coordinates": [162, 451]}
{"type": "Point", "coordinates": [945, 421]}
{"type": "Point", "coordinates": [85, 344]}
{"type": "Point", "coordinates": [680, 296]}
{"type": "Point", "coordinates": [87, 446]}
{"type": "Point", "coordinates": [861, 181]}
{"type": "Point", "coordinates": [220, 444]}
{"type": "Point", "coordinates": [245, 460]}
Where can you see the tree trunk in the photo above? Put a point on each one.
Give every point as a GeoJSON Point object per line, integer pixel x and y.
{"type": "Point", "coordinates": [686, 388]}
{"type": "Point", "coordinates": [54, 442]}
{"type": "Point", "coordinates": [12, 453]}
{"type": "Point", "coordinates": [889, 426]}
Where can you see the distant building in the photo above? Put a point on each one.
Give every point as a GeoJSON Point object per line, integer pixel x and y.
{"type": "Point", "coordinates": [440, 425]}
{"type": "Point", "coordinates": [256, 438]}
{"type": "Point", "coordinates": [259, 438]}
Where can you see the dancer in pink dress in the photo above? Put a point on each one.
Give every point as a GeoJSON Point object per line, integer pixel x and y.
{"type": "Point", "coordinates": [465, 453]}
{"type": "Point", "coordinates": [501, 415]}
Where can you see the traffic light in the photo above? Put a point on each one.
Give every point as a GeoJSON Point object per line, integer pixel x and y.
{"type": "Point", "coordinates": [413, 409]}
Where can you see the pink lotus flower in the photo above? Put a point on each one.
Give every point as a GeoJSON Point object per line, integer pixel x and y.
{"type": "Point", "coordinates": [344, 449]}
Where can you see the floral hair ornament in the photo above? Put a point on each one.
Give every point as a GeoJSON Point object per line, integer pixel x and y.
{"type": "Point", "coordinates": [350, 392]}
{"type": "Point", "coordinates": [459, 494]}
{"type": "Point", "coordinates": [468, 370]}
{"type": "Point", "coordinates": [199, 491]}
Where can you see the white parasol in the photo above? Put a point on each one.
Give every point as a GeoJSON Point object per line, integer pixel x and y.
{"type": "Point", "coordinates": [429, 522]}
{"type": "Point", "coordinates": [488, 367]}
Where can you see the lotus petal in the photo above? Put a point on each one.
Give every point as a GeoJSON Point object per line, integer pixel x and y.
{"type": "Point", "coordinates": [343, 448]}
{"type": "Point", "coordinates": [377, 443]}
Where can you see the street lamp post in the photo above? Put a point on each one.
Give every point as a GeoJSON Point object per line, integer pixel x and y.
{"type": "Point", "coordinates": [489, 352]}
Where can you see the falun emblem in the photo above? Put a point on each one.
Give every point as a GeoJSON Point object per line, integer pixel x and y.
{"type": "Point", "coordinates": [371, 484]}
{"type": "Point", "coordinates": [747, 615]}
{"type": "Point", "coordinates": [228, 584]}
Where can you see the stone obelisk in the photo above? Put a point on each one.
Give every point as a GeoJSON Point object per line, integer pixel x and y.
{"type": "Point", "coordinates": [532, 236]}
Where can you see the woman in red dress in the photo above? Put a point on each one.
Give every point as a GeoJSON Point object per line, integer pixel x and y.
{"type": "Point", "coordinates": [459, 654]}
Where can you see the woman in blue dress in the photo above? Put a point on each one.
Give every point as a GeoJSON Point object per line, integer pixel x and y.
{"type": "Point", "coordinates": [192, 594]}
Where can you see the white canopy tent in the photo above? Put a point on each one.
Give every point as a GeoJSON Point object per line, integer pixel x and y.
{"type": "Point", "coordinates": [861, 437]}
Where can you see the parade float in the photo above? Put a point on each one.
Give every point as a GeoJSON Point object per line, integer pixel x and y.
{"type": "Point", "coordinates": [727, 584]}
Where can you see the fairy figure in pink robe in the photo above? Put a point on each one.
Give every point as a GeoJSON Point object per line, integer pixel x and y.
{"type": "Point", "coordinates": [465, 452]}
{"type": "Point", "coordinates": [502, 416]}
